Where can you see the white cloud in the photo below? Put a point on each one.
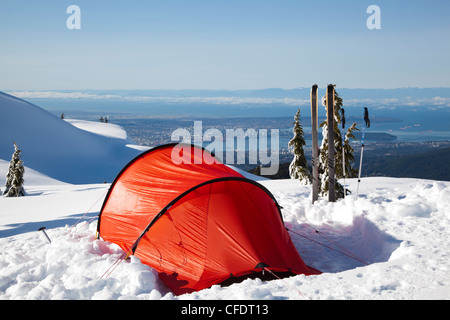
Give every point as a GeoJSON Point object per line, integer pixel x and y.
{"type": "Point", "coordinates": [379, 102]}
{"type": "Point", "coordinates": [166, 99]}
{"type": "Point", "coordinates": [59, 95]}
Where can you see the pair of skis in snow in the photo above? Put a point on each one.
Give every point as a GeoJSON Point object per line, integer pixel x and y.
{"type": "Point", "coordinates": [315, 143]}
{"type": "Point", "coordinates": [331, 154]}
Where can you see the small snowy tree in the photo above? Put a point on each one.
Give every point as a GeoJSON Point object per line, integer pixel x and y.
{"type": "Point", "coordinates": [14, 177]}
{"type": "Point", "coordinates": [298, 169]}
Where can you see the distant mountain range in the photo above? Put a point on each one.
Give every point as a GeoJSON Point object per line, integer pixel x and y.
{"type": "Point", "coordinates": [264, 102]}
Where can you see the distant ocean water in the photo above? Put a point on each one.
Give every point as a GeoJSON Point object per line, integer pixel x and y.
{"type": "Point", "coordinates": [407, 123]}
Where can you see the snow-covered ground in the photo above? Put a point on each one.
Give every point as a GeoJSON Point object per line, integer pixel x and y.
{"type": "Point", "coordinates": [392, 242]}
{"type": "Point", "coordinates": [399, 227]}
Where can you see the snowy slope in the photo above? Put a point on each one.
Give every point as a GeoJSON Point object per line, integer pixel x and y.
{"type": "Point", "coordinates": [100, 128]}
{"type": "Point", "coordinates": [59, 149]}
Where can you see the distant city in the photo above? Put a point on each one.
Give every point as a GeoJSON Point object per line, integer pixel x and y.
{"type": "Point", "coordinates": [379, 146]}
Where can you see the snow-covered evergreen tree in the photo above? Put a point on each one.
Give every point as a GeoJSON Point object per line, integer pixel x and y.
{"type": "Point", "coordinates": [298, 169]}
{"type": "Point", "coordinates": [14, 177]}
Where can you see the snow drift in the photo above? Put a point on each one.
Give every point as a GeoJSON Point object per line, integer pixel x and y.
{"type": "Point", "coordinates": [57, 148]}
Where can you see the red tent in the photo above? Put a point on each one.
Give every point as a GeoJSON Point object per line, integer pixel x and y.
{"type": "Point", "coordinates": [198, 222]}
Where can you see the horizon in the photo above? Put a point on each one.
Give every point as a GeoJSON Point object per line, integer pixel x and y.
{"type": "Point", "coordinates": [429, 107]}
{"type": "Point", "coordinates": [5, 90]}
{"type": "Point", "coordinates": [437, 97]}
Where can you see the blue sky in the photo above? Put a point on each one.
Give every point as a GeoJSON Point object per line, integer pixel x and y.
{"type": "Point", "coordinates": [230, 44]}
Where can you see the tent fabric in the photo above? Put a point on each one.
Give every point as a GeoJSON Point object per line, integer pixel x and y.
{"type": "Point", "coordinates": [198, 222]}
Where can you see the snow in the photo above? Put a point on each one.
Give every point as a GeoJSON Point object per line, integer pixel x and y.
{"type": "Point", "coordinates": [59, 149]}
{"type": "Point", "coordinates": [101, 128]}
{"type": "Point", "coordinates": [397, 232]}
{"type": "Point", "coordinates": [405, 252]}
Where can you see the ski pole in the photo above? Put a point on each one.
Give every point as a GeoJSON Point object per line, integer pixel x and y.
{"type": "Point", "coordinates": [43, 230]}
{"type": "Point", "coordinates": [366, 125]}
{"type": "Point", "coordinates": [360, 164]}
{"type": "Point", "coordinates": [343, 149]}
